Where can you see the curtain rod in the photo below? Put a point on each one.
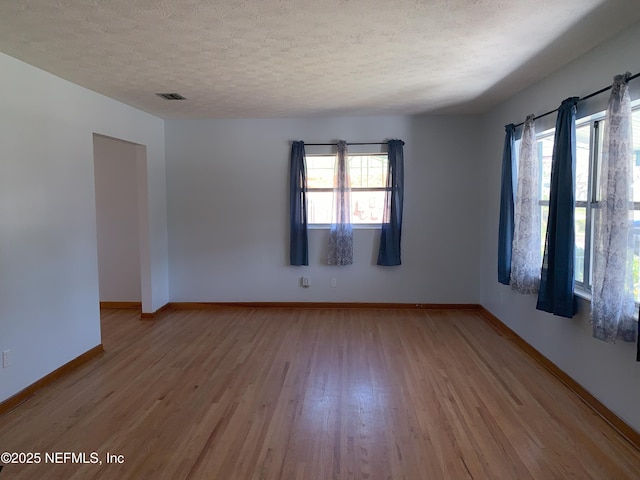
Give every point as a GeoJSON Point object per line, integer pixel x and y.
{"type": "Point", "coordinates": [602, 90]}
{"type": "Point", "coordinates": [335, 144]}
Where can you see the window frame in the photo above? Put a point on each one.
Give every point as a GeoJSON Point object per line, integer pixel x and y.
{"type": "Point", "coordinates": [359, 225]}
{"type": "Point", "coordinates": [596, 136]}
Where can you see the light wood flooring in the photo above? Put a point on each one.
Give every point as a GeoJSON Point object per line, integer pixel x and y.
{"type": "Point", "coordinates": [313, 394]}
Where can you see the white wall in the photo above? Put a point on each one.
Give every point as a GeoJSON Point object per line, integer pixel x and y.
{"type": "Point", "coordinates": [228, 212]}
{"type": "Point", "coordinates": [116, 183]}
{"type": "Point", "coordinates": [48, 255]}
{"type": "Point", "coordinates": [609, 372]}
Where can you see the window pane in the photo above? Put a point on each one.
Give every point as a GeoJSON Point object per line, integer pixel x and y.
{"type": "Point", "coordinates": [366, 207]}
{"type": "Point", "coordinates": [545, 152]}
{"type": "Point", "coordinates": [600, 133]}
{"type": "Point", "coordinates": [583, 153]}
{"type": "Point", "coordinates": [544, 217]}
{"type": "Point", "coordinates": [636, 255]}
{"type": "Point", "coordinates": [580, 225]}
{"type": "Point", "coordinates": [635, 118]}
{"type": "Point", "coordinates": [319, 206]}
{"type": "Point", "coordinates": [368, 171]}
{"type": "Point", "coordinates": [320, 171]}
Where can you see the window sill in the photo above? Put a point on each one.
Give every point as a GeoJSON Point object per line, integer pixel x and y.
{"type": "Point", "coordinates": [582, 293]}
{"type": "Point", "coordinates": [586, 295]}
{"type": "Point", "coordinates": [360, 226]}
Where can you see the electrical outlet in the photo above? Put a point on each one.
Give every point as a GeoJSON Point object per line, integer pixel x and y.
{"type": "Point", "coordinates": [6, 358]}
{"type": "Point", "coordinates": [333, 283]}
{"type": "Point", "coordinates": [305, 282]}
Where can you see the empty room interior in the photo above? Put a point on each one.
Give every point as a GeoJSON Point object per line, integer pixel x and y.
{"type": "Point", "coordinates": [319, 239]}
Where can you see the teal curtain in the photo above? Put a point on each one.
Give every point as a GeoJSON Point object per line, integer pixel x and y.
{"type": "Point", "coordinates": [391, 233]}
{"type": "Point", "coordinates": [557, 278]}
{"type": "Point", "coordinates": [298, 245]}
{"type": "Point", "coordinates": [506, 225]}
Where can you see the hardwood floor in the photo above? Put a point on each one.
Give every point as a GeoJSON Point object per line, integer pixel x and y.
{"type": "Point", "coordinates": [313, 394]}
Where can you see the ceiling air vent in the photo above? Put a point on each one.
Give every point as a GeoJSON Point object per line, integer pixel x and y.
{"type": "Point", "coordinates": [171, 96]}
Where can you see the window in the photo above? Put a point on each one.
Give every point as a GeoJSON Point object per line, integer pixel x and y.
{"type": "Point", "coordinates": [368, 175]}
{"type": "Point", "coordinates": [589, 138]}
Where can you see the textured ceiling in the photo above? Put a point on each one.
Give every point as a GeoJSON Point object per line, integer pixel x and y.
{"type": "Point", "coordinates": [289, 58]}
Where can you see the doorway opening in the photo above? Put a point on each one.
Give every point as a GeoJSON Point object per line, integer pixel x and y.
{"type": "Point", "coordinates": [122, 223]}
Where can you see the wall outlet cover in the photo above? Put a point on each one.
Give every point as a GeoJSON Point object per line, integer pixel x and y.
{"type": "Point", "coordinates": [6, 358]}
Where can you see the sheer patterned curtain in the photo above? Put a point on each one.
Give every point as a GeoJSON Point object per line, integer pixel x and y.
{"type": "Point", "coordinates": [525, 257]}
{"type": "Point", "coordinates": [341, 233]}
{"type": "Point", "coordinates": [557, 278]}
{"type": "Point", "coordinates": [298, 243]}
{"type": "Point", "coordinates": [505, 228]}
{"type": "Point", "coordinates": [612, 303]}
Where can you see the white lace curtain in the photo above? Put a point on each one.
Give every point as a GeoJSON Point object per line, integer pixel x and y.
{"type": "Point", "coordinates": [612, 303]}
{"type": "Point", "coordinates": [341, 232]}
{"type": "Point", "coordinates": [525, 259]}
